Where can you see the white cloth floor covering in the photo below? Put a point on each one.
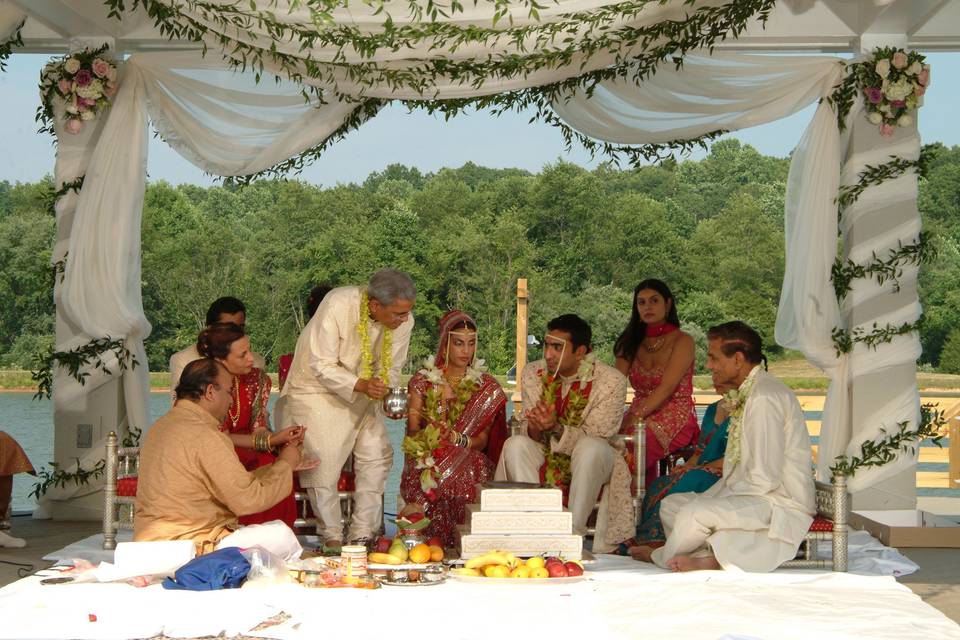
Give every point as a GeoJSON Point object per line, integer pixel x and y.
{"type": "Point", "coordinates": [621, 598]}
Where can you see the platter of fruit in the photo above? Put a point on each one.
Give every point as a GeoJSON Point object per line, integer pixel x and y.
{"type": "Point", "coordinates": [504, 567]}
{"type": "Point", "coordinates": [420, 565]}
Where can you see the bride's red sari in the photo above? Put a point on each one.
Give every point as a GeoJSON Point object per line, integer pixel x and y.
{"type": "Point", "coordinates": [248, 412]}
{"type": "Point", "coordinates": [459, 469]}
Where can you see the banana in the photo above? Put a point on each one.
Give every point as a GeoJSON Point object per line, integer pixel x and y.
{"type": "Point", "coordinates": [461, 571]}
{"type": "Point", "coordinates": [492, 557]}
{"type": "Point", "coordinates": [383, 558]}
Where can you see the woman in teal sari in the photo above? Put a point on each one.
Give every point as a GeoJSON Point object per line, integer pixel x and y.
{"type": "Point", "coordinates": [697, 474]}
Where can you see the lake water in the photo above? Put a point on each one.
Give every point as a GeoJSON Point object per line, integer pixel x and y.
{"type": "Point", "coordinates": [30, 422]}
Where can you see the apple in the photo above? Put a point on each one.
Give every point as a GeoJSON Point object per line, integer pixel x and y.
{"type": "Point", "coordinates": [383, 544]}
{"type": "Point", "coordinates": [557, 570]}
{"type": "Point", "coordinates": [573, 569]}
{"type": "Point", "coordinates": [435, 541]}
{"type": "Point", "coordinates": [552, 560]}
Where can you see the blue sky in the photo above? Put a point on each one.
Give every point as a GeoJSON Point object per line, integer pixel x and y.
{"type": "Point", "coordinates": [420, 140]}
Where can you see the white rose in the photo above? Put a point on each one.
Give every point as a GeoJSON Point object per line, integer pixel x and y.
{"type": "Point", "coordinates": [905, 120]}
{"type": "Point", "coordinates": [884, 108]}
{"type": "Point", "coordinates": [875, 117]}
{"type": "Point", "coordinates": [914, 69]}
{"type": "Point", "coordinates": [86, 115]}
{"type": "Point", "coordinates": [72, 65]}
{"type": "Point", "coordinates": [883, 67]}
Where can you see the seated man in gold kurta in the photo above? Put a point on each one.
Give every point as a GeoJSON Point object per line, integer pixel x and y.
{"type": "Point", "coordinates": [192, 485]}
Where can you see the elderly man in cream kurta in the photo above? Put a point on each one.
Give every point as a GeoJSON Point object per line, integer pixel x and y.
{"type": "Point", "coordinates": [327, 392]}
{"type": "Point", "coordinates": [593, 461]}
{"type": "Point", "coordinates": [755, 517]}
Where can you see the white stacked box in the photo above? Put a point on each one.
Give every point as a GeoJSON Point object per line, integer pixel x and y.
{"type": "Point", "coordinates": [525, 522]}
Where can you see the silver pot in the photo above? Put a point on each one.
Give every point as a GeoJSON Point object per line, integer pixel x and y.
{"type": "Point", "coordinates": [395, 403]}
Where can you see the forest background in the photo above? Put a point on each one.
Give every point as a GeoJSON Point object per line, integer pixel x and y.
{"type": "Point", "coordinates": [711, 228]}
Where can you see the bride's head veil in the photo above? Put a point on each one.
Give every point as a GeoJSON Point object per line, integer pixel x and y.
{"type": "Point", "coordinates": [448, 324]}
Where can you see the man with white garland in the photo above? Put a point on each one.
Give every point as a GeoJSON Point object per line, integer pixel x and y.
{"type": "Point", "coordinates": [755, 517]}
{"type": "Point", "coordinates": [573, 403]}
{"type": "Point", "coordinates": [346, 358]}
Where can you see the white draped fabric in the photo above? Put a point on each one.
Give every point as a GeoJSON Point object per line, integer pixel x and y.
{"type": "Point", "coordinates": [413, 59]}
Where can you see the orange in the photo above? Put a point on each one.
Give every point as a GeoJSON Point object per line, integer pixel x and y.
{"type": "Point", "coordinates": [436, 553]}
{"type": "Point", "coordinates": [539, 572]}
{"type": "Point", "coordinates": [420, 554]}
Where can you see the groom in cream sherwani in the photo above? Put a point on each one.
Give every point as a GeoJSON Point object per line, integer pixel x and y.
{"type": "Point", "coordinates": [328, 392]}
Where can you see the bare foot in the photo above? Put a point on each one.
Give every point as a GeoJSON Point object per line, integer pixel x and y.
{"type": "Point", "coordinates": [643, 553]}
{"type": "Point", "coordinates": [689, 563]}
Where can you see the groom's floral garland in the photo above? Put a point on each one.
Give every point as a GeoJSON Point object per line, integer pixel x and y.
{"type": "Point", "coordinates": [556, 467]}
{"type": "Point", "coordinates": [366, 353]}
{"type": "Point", "coordinates": [735, 401]}
{"type": "Point", "coordinates": [86, 81]}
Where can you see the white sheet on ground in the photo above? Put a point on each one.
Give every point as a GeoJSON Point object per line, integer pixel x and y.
{"type": "Point", "coordinates": [615, 602]}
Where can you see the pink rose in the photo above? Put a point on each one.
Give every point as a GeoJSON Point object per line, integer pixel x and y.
{"type": "Point", "coordinates": [73, 126]}
{"type": "Point", "coordinates": [919, 90]}
{"type": "Point", "coordinates": [874, 94]}
{"type": "Point", "coordinates": [83, 78]}
{"type": "Point", "coordinates": [64, 85]}
{"type": "Point", "coordinates": [886, 130]}
{"type": "Point", "coordinates": [100, 67]}
{"type": "Point", "coordinates": [924, 76]}
{"type": "Point", "coordinates": [898, 104]}
{"type": "Point", "coordinates": [110, 90]}
{"type": "Point", "coordinates": [899, 60]}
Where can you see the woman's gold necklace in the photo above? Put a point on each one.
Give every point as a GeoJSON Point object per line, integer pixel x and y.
{"type": "Point", "coordinates": [234, 413]}
{"type": "Point", "coordinates": [655, 345]}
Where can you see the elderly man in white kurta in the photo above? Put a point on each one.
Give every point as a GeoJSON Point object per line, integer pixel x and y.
{"type": "Point", "coordinates": [346, 358]}
{"type": "Point", "coordinates": [579, 434]}
{"type": "Point", "coordinates": [755, 517]}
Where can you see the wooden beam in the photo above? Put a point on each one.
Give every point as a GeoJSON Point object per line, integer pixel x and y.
{"type": "Point", "coordinates": [522, 300]}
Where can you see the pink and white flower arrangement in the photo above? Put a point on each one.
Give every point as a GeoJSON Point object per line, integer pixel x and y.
{"type": "Point", "coordinates": [86, 81]}
{"type": "Point", "coordinates": [893, 83]}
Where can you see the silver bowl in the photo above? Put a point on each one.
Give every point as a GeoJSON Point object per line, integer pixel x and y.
{"type": "Point", "coordinates": [395, 403]}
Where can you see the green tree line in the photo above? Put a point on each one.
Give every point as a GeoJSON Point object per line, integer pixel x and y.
{"type": "Point", "coordinates": [711, 228]}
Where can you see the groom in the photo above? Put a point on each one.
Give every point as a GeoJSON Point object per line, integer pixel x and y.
{"type": "Point", "coordinates": [346, 358]}
{"type": "Point", "coordinates": [584, 408]}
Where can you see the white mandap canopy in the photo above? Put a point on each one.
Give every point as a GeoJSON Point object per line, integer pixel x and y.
{"type": "Point", "coordinates": [204, 74]}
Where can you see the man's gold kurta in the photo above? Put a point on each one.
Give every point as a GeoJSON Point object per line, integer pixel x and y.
{"type": "Point", "coordinates": [192, 485]}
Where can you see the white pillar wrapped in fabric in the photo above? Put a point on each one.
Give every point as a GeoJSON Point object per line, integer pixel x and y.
{"type": "Point", "coordinates": [883, 385]}
{"type": "Point", "coordinates": [83, 413]}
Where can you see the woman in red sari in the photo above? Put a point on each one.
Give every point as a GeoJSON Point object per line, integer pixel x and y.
{"type": "Point", "coordinates": [247, 422]}
{"type": "Point", "coordinates": [658, 359]}
{"type": "Point", "coordinates": [469, 408]}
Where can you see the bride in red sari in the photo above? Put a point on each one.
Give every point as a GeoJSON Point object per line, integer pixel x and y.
{"type": "Point", "coordinates": [467, 405]}
{"type": "Point", "coordinates": [658, 359]}
{"type": "Point", "coordinates": [247, 421]}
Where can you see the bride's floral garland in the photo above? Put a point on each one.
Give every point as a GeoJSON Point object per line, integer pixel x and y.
{"type": "Point", "coordinates": [86, 81]}
{"type": "Point", "coordinates": [422, 446]}
{"type": "Point", "coordinates": [462, 391]}
{"type": "Point", "coordinates": [366, 353]}
{"type": "Point", "coordinates": [556, 467]}
{"type": "Point", "coordinates": [735, 400]}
